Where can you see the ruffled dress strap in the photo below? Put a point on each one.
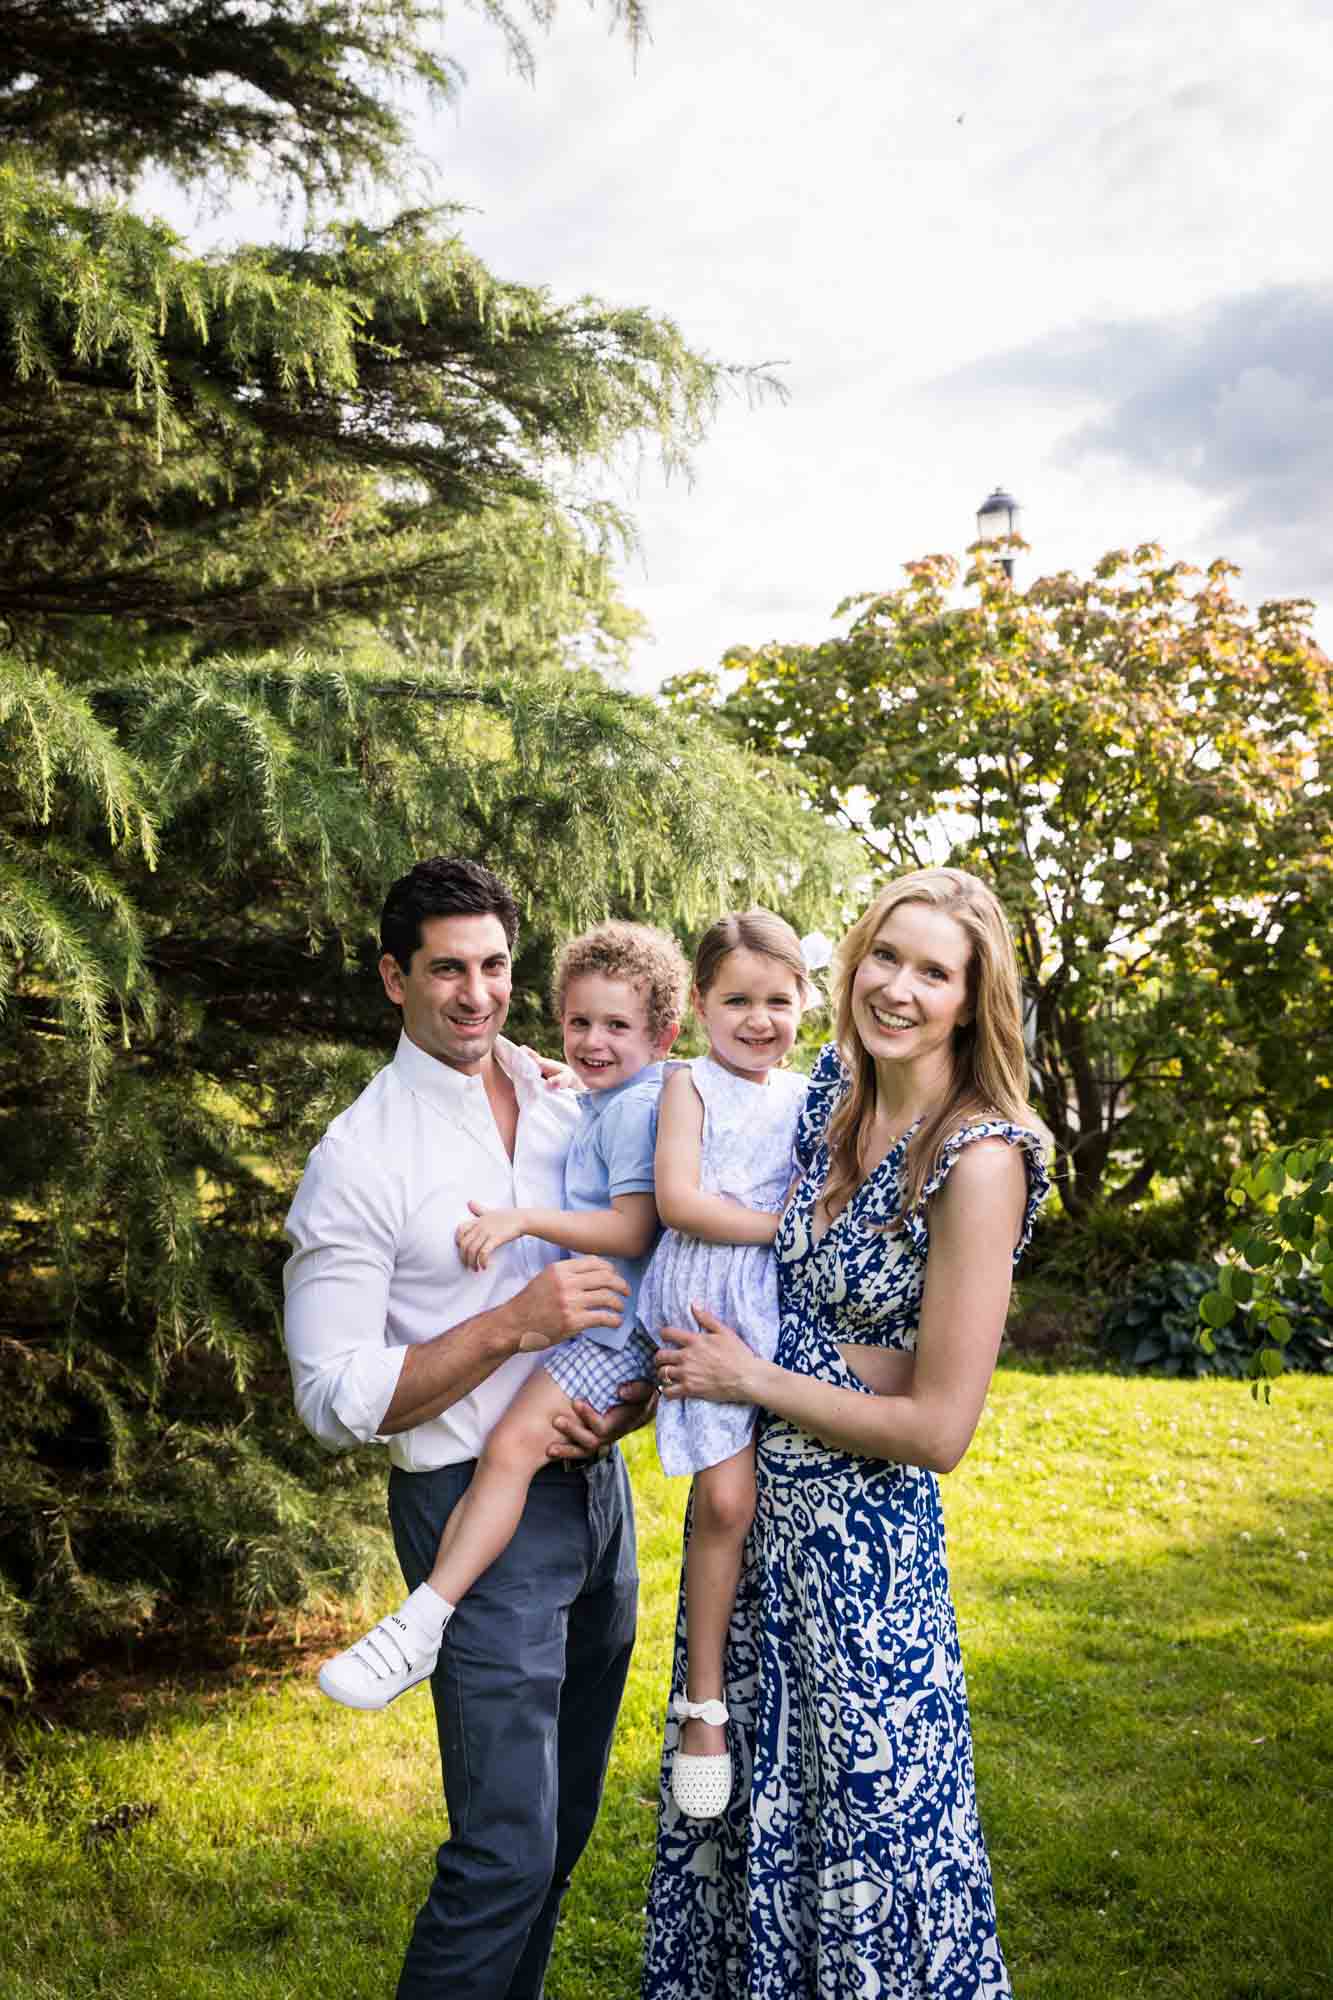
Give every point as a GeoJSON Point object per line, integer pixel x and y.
{"type": "Point", "coordinates": [1039, 1181]}
{"type": "Point", "coordinates": [828, 1080]}
{"type": "Point", "coordinates": [715, 1086]}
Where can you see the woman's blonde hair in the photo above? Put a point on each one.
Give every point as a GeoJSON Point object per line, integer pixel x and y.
{"type": "Point", "coordinates": [990, 1070]}
{"type": "Point", "coordinates": [750, 930]}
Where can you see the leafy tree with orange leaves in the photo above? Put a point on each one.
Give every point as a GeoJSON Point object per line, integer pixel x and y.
{"type": "Point", "coordinates": [1142, 768]}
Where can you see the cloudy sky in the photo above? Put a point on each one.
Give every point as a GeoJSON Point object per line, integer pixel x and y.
{"type": "Point", "coordinates": [1077, 247]}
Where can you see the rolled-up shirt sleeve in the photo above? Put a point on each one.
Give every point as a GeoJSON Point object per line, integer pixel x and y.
{"type": "Point", "coordinates": [343, 1230]}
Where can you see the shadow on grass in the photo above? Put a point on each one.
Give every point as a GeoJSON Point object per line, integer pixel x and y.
{"type": "Point", "coordinates": [123, 1691]}
{"type": "Point", "coordinates": [317, 1913]}
{"type": "Point", "coordinates": [322, 1913]}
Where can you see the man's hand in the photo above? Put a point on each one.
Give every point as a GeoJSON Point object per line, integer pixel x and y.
{"type": "Point", "coordinates": [490, 1228]}
{"type": "Point", "coordinates": [567, 1298]}
{"type": "Point", "coordinates": [583, 1433]}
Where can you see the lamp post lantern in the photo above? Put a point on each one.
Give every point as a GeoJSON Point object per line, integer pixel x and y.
{"type": "Point", "coordinates": [998, 516]}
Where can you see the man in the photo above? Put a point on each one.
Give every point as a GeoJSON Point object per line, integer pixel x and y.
{"type": "Point", "coordinates": [391, 1339]}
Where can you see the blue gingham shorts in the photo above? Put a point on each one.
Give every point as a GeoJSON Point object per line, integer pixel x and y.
{"type": "Point", "coordinates": [586, 1369]}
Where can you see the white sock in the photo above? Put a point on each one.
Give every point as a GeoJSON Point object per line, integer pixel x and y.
{"type": "Point", "coordinates": [425, 1614]}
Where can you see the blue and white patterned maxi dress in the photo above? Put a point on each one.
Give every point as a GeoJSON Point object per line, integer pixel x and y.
{"type": "Point", "coordinates": [850, 1864]}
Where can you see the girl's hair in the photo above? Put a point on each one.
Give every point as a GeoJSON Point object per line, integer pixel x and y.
{"type": "Point", "coordinates": [750, 930]}
{"type": "Point", "coordinates": [647, 959]}
{"type": "Point", "coordinates": [989, 1059]}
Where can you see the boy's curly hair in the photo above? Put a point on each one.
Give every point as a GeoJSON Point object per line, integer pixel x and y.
{"type": "Point", "coordinates": [646, 958]}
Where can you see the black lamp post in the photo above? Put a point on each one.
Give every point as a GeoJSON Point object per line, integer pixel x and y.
{"type": "Point", "coordinates": [997, 517]}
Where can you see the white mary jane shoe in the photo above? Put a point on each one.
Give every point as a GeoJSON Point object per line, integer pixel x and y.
{"type": "Point", "coordinates": [701, 1786]}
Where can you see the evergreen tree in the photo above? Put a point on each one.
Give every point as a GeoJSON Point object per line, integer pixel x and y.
{"type": "Point", "coordinates": [299, 90]}
{"type": "Point", "coordinates": [302, 568]}
{"type": "Point", "coordinates": [238, 449]}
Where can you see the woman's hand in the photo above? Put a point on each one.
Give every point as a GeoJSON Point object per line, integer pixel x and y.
{"type": "Point", "coordinates": [714, 1364]}
{"type": "Point", "coordinates": [492, 1227]}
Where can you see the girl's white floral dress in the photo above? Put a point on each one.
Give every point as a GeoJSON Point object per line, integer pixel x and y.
{"type": "Point", "coordinates": [747, 1153]}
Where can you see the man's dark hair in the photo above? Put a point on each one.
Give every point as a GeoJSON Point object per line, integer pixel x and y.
{"type": "Point", "coordinates": [442, 887]}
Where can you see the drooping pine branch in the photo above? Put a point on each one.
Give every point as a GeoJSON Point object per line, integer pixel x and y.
{"type": "Point", "coordinates": [259, 444]}
{"type": "Point", "coordinates": [300, 91]}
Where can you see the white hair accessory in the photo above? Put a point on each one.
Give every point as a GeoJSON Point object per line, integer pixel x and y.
{"type": "Point", "coordinates": [816, 950]}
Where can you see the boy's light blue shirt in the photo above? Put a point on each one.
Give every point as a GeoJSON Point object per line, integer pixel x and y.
{"type": "Point", "coordinates": [612, 1153]}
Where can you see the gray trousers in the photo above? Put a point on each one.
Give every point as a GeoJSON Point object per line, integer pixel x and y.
{"type": "Point", "coordinates": [526, 1692]}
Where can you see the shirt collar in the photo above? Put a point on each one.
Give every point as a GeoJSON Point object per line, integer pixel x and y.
{"type": "Point", "coordinates": [594, 1102]}
{"type": "Point", "coordinates": [453, 1090]}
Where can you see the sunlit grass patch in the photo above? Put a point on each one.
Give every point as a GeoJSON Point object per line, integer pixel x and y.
{"type": "Point", "coordinates": [1142, 1576]}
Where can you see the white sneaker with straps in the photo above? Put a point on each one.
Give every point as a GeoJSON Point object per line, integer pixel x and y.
{"type": "Point", "coordinates": [377, 1669]}
{"type": "Point", "coordinates": [701, 1786]}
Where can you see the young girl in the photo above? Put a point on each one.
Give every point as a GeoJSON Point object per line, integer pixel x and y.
{"type": "Point", "coordinates": [724, 1163]}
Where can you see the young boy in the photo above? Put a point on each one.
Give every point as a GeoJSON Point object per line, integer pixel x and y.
{"type": "Point", "coordinates": [620, 992]}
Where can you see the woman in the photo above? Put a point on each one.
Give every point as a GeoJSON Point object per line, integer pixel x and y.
{"type": "Point", "coordinates": [851, 1861]}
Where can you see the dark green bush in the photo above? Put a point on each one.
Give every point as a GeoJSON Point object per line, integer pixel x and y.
{"type": "Point", "coordinates": [1154, 1327]}
{"type": "Point", "coordinates": [1105, 1250]}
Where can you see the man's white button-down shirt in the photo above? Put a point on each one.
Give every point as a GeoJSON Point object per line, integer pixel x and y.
{"type": "Point", "coordinates": [374, 1265]}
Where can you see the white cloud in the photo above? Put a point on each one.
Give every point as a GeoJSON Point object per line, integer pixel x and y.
{"type": "Point", "coordinates": [793, 182]}
{"type": "Point", "coordinates": [1232, 403]}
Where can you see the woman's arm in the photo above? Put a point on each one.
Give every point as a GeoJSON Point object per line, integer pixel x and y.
{"type": "Point", "coordinates": [678, 1165]}
{"type": "Point", "coordinates": [626, 1229]}
{"type": "Point", "coordinates": [974, 1223]}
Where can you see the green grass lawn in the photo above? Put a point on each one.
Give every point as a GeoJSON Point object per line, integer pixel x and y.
{"type": "Point", "coordinates": [1143, 1580]}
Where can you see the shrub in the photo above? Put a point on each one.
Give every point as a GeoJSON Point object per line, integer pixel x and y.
{"type": "Point", "coordinates": [1155, 1326]}
{"type": "Point", "coordinates": [1284, 1250]}
{"type": "Point", "coordinates": [1105, 1250]}
{"type": "Point", "coordinates": [1052, 1320]}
